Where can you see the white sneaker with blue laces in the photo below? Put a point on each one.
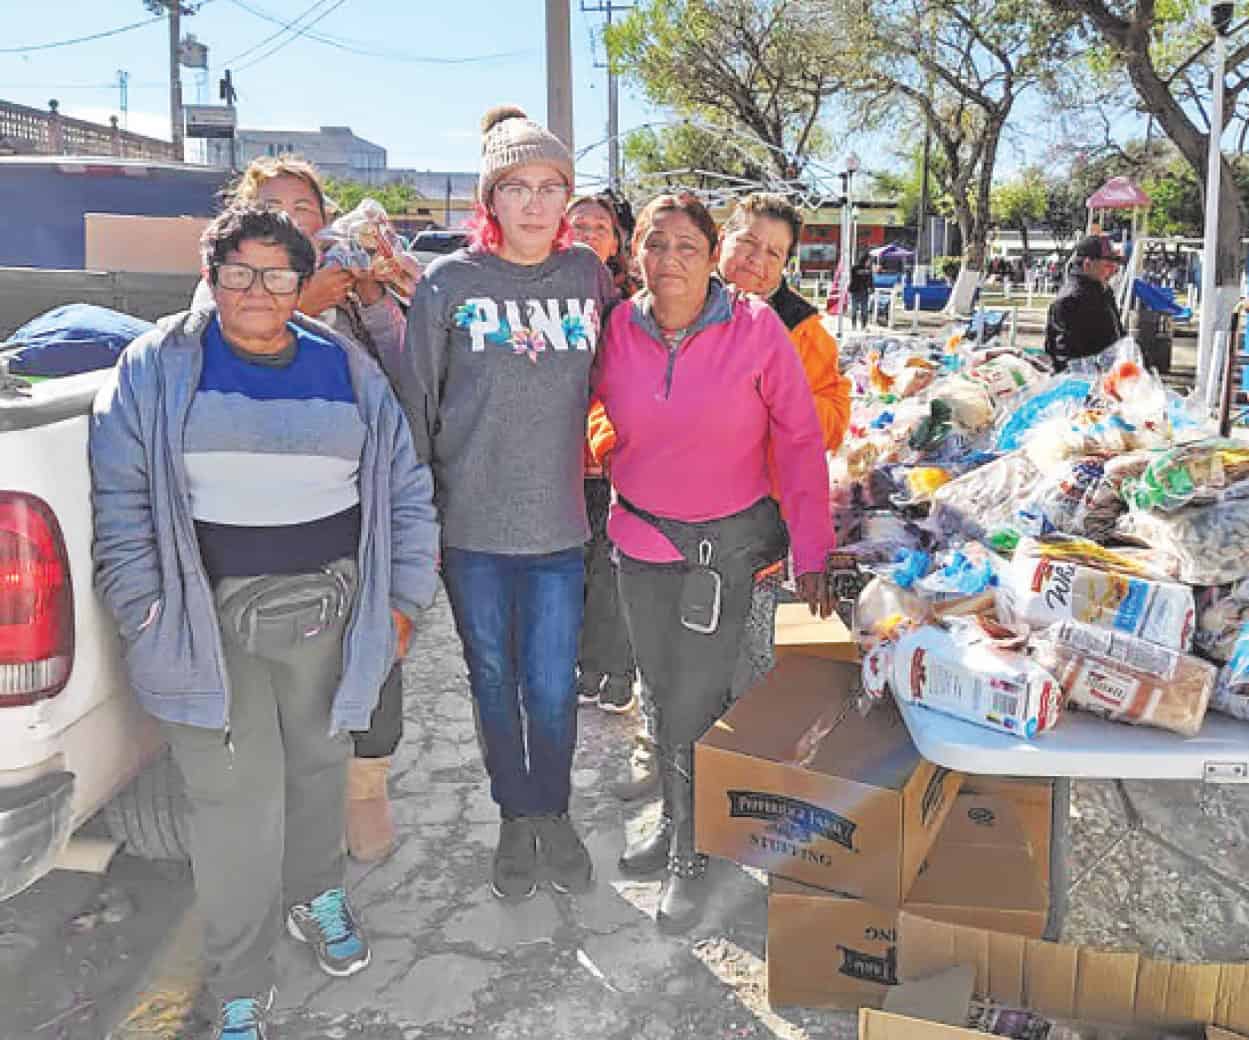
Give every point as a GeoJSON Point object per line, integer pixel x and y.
{"type": "Point", "coordinates": [329, 927]}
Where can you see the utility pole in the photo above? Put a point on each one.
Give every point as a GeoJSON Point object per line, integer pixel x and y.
{"type": "Point", "coordinates": [175, 77]}
{"type": "Point", "coordinates": [921, 232]}
{"type": "Point", "coordinates": [607, 8]}
{"type": "Point", "coordinates": [123, 85]}
{"type": "Point", "coordinates": [559, 70]}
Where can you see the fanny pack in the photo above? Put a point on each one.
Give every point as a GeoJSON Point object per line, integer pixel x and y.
{"type": "Point", "coordinates": [273, 614]}
{"type": "Point", "coordinates": [740, 544]}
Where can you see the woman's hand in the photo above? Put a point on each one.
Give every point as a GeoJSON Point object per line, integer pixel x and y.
{"type": "Point", "coordinates": [404, 628]}
{"type": "Point", "coordinates": [328, 287]}
{"type": "Point", "coordinates": [816, 593]}
{"type": "Point", "coordinates": [403, 272]}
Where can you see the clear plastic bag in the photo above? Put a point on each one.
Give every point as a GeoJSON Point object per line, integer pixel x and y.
{"type": "Point", "coordinates": [364, 240]}
{"type": "Point", "coordinates": [985, 498]}
{"type": "Point", "coordinates": [1209, 543]}
{"type": "Point", "coordinates": [1188, 474]}
{"type": "Point", "coordinates": [1063, 395]}
{"type": "Point", "coordinates": [1222, 617]}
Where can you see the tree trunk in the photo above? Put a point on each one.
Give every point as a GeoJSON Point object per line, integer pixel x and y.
{"type": "Point", "coordinates": [974, 242]}
{"type": "Point", "coordinates": [1023, 236]}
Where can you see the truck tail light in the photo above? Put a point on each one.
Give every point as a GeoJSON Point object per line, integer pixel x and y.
{"type": "Point", "coordinates": [36, 602]}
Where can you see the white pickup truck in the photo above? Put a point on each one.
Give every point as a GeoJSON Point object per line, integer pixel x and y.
{"type": "Point", "coordinates": [72, 739]}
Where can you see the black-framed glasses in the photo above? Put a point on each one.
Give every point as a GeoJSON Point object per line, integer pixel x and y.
{"type": "Point", "coordinates": [279, 281]}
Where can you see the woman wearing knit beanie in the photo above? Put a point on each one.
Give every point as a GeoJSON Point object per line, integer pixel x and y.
{"type": "Point", "coordinates": [495, 379]}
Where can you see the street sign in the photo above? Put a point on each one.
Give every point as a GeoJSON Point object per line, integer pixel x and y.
{"type": "Point", "coordinates": [210, 121]}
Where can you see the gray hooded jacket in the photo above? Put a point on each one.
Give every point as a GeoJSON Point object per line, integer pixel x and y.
{"type": "Point", "coordinates": [147, 560]}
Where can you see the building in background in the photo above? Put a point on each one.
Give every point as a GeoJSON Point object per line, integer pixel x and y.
{"type": "Point", "coordinates": [336, 151]}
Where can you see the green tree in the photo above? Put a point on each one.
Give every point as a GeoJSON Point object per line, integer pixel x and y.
{"type": "Point", "coordinates": [690, 155]}
{"type": "Point", "coordinates": [1020, 203]}
{"type": "Point", "coordinates": [749, 66]}
{"type": "Point", "coordinates": [1161, 48]}
{"type": "Point", "coordinates": [394, 198]}
{"type": "Point", "coordinates": [961, 67]}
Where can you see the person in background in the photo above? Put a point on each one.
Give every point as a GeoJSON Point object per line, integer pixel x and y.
{"type": "Point", "coordinates": [495, 378]}
{"type": "Point", "coordinates": [261, 519]}
{"type": "Point", "coordinates": [1084, 318]}
{"type": "Point", "coordinates": [605, 670]}
{"type": "Point", "coordinates": [708, 399]}
{"type": "Point", "coordinates": [860, 292]}
{"type": "Point", "coordinates": [358, 305]}
{"type": "Point", "coordinates": [757, 241]}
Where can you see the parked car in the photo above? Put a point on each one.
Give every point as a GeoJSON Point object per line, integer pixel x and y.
{"type": "Point", "coordinates": [73, 740]}
{"type": "Point", "coordinates": [428, 246]}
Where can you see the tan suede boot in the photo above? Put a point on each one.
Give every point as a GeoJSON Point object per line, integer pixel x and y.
{"type": "Point", "coordinates": [370, 826]}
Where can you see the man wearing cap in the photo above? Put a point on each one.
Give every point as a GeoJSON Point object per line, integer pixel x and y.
{"type": "Point", "coordinates": [1084, 318]}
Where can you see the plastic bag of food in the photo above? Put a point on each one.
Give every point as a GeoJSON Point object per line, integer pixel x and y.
{"type": "Point", "coordinates": [1127, 679]}
{"type": "Point", "coordinates": [882, 609]}
{"type": "Point", "coordinates": [967, 571]}
{"type": "Point", "coordinates": [1222, 616]}
{"type": "Point", "coordinates": [969, 402]}
{"type": "Point", "coordinates": [1041, 590]}
{"type": "Point", "coordinates": [962, 674]}
{"type": "Point", "coordinates": [1059, 396]}
{"type": "Point", "coordinates": [364, 239]}
{"type": "Point", "coordinates": [986, 497]}
{"type": "Point", "coordinates": [1231, 695]}
{"type": "Point", "coordinates": [1004, 376]}
{"type": "Point", "coordinates": [1189, 474]}
{"type": "Point", "coordinates": [1059, 503]}
{"type": "Point", "coordinates": [1209, 543]}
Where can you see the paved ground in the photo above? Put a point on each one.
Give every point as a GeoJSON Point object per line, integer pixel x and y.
{"type": "Point", "coordinates": [450, 961]}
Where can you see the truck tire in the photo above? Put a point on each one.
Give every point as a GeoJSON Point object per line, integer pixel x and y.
{"type": "Point", "coordinates": [150, 816]}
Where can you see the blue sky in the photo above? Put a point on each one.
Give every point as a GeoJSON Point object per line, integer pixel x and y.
{"type": "Point", "coordinates": [425, 114]}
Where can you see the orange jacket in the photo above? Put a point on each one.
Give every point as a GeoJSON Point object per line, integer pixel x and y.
{"type": "Point", "coordinates": [817, 349]}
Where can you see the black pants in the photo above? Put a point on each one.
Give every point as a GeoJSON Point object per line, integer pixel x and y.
{"type": "Point", "coordinates": [604, 646]}
{"type": "Point", "coordinates": [386, 724]}
{"type": "Point", "coordinates": [689, 675]}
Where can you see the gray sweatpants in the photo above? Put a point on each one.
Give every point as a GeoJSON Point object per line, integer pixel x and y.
{"type": "Point", "coordinates": [267, 809]}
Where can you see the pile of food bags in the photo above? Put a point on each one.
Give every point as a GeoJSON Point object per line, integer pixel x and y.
{"type": "Point", "coordinates": [1059, 542]}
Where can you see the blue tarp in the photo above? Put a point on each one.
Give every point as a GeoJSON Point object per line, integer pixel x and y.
{"type": "Point", "coordinates": [77, 337]}
{"type": "Point", "coordinates": [1156, 298]}
{"type": "Point", "coordinates": [42, 203]}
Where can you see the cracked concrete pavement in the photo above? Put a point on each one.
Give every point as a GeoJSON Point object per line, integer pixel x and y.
{"type": "Point", "coordinates": [450, 961]}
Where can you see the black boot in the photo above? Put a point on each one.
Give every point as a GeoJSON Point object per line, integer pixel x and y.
{"type": "Point", "coordinates": [684, 893]}
{"type": "Point", "coordinates": [649, 855]}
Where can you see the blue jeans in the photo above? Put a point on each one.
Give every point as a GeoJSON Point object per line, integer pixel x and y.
{"type": "Point", "coordinates": [859, 308]}
{"type": "Point", "coordinates": [519, 618]}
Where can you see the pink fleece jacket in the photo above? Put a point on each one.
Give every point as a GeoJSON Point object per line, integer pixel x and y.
{"type": "Point", "coordinates": [693, 430]}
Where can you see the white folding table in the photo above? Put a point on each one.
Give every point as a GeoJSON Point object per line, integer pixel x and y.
{"type": "Point", "coordinates": [1082, 746]}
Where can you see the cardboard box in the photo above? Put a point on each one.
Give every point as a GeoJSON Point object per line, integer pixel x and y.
{"type": "Point", "coordinates": [1032, 799]}
{"type": "Point", "coordinates": [1078, 982]}
{"type": "Point", "coordinates": [156, 245]}
{"type": "Point", "coordinates": [830, 950]}
{"type": "Point", "coordinates": [982, 872]}
{"type": "Point", "coordinates": [881, 1025]}
{"type": "Point", "coordinates": [794, 780]}
{"type": "Point", "coordinates": [797, 632]}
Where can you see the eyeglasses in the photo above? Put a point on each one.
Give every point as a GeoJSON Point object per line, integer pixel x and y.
{"type": "Point", "coordinates": [518, 194]}
{"type": "Point", "coordinates": [279, 281]}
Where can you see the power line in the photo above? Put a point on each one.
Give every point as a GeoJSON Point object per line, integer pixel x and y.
{"type": "Point", "coordinates": [295, 36]}
{"type": "Point", "coordinates": [285, 27]}
{"type": "Point", "coordinates": [81, 39]}
{"type": "Point", "coordinates": [368, 49]}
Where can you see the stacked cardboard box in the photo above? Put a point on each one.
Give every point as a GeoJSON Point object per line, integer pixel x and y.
{"type": "Point", "coordinates": [851, 824]}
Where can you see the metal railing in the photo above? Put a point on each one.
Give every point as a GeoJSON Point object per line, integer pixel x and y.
{"type": "Point", "coordinates": [32, 131]}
